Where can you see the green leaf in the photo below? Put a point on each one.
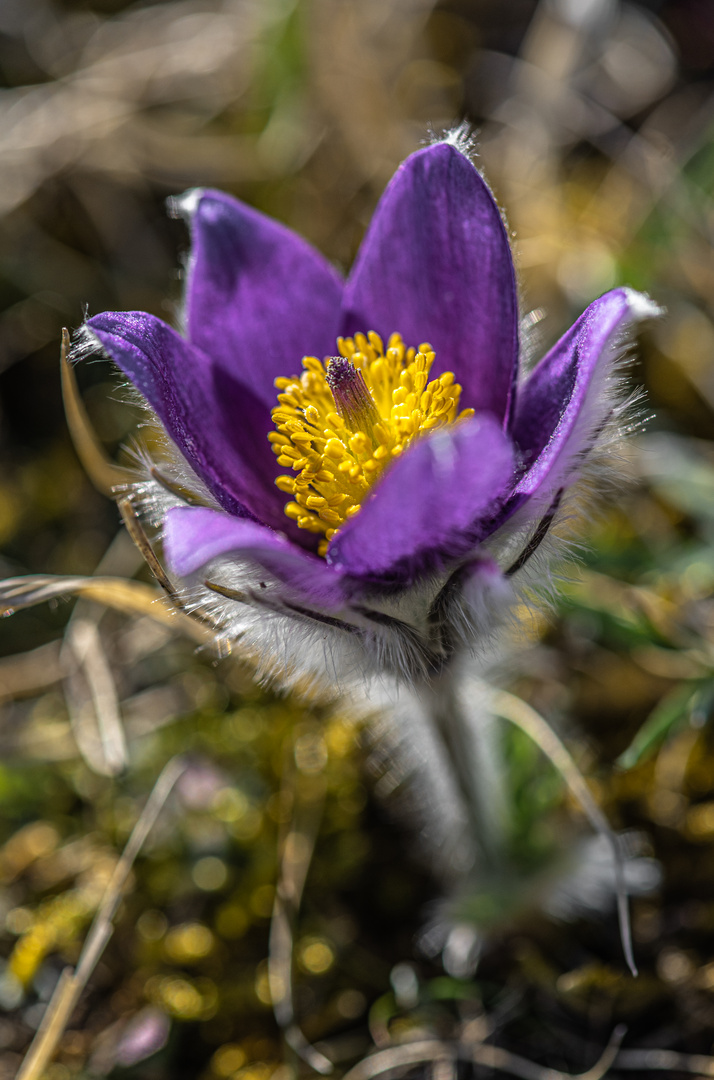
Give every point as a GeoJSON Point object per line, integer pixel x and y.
{"type": "Point", "coordinates": [673, 709]}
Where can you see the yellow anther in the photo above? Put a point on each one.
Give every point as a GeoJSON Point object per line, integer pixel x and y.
{"type": "Point", "coordinates": [311, 363]}
{"type": "Point", "coordinates": [282, 415]}
{"type": "Point", "coordinates": [337, 435]}
{"type": "Point", "coordinates": [335, 449]}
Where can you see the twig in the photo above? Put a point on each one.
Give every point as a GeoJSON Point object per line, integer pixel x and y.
{"type": "Point", "coordinates": [517, 712]}
{"type": "Point", "coordinates": [71, 983]}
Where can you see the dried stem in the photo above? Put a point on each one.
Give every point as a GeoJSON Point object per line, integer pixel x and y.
{"type": "Point", "coordinates": [137, 534]}
{"type": "Point", "coordinates": [89, 667]}
{"type": "Point", "coordinates": [71, 983]}
{"type": "Point", "coordinates": [517, 712]}
{"type": "Point", "coordinates": [129, 597]}
{"type": "Point", "coordinates": [434, 1051]}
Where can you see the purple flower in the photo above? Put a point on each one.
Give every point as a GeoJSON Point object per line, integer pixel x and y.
{"type": "Point", "coordinates": [414, 481]}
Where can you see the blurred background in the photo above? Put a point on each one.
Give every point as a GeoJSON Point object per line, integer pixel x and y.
{"type": "Point", "coordinates": [595, 128]}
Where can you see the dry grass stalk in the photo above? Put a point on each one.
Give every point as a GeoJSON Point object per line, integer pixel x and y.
{"type": "Point", "coordinates": [92, 698]}
{"type": "Point", "coordinates": [435, 1052]}
{"type": "Point", "coordinates": [72, 983]}
{"type": "Point", "coordinates": [128, 597]}
{"type": "Point", "coordinates": [139, 537]}
{"type": "Point", "coordinates": [511, 708]}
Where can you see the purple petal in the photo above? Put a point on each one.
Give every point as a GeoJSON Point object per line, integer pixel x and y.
{"type": "Point", "coordinates": [215, 422]}
{"type": "Point", "coordinates": [258, 297]}
{"type": "Point", "coordinates": [571, 394]}
{"type": "Point", "coordinates": [428, 502]}
{"type": "Point", "coordinates": [436, 266]}
{"type": "Point", "coordinates": [193, 536]}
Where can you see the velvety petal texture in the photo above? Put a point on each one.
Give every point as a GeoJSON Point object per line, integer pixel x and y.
{"type": "Point", "coordinates": [258, 296]}
{"type": "Point", "coordinates": [566, 400]}
{"type": "Point", "coordinates": [193, 537]}
{"type": "Point", "coordinates": [177, 381]}
{"type": "Point", "coordinates": [217, 423]}
{"type": "Point", "coordinates": [428, 501]}
{"type": "Point", "coordinates": [436, 266]}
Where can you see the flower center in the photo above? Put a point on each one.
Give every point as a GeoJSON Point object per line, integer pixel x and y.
{"type": "Point", "coordinates": [340, 423]}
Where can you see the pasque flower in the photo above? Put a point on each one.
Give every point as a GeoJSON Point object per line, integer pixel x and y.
{"type": "Point", "coordinates": [358, 459]}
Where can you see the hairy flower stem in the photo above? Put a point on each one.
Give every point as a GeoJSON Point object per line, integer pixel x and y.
{"type": "Point", "coordinates": [469, 734]}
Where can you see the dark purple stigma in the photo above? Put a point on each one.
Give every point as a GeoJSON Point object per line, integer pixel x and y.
{"type": "Point", "coordinates": [351, 395]}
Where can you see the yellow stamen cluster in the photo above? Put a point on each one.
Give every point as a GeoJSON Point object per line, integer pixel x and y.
{"type": "Point", "coordinates": [339, 447]}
